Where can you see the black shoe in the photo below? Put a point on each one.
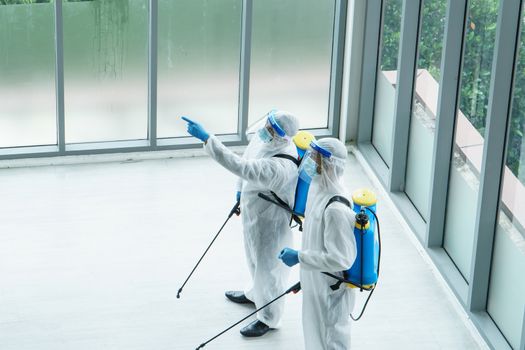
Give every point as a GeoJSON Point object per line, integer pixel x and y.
{"type": "Point", "coordinates": [237, 297]}
{"type": "Point", "coordinates": [255, 329]}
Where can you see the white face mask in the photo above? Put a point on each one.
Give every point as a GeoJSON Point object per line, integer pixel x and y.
{"type": "Point", "coordinates": [265, 135]}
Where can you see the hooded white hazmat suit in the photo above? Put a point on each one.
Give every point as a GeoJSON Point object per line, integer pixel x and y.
{"type": "Point", "coordinates": [265, 225]}
{"type": "Point", "coordinates": [328, 245]}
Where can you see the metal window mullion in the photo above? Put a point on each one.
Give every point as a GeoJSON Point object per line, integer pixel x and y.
{"type": "Point", "coordinates": [336, 79]}
{"type": "Point", "coordinates": [404, 89]}
{"type": "Point", "coordinates": [59, 77]}
{"type": "Point", "coordinates": [355, 33]}
{"type": "Point", "coordinates": [152, 72]}
{"type": "Point", "coordinates": [498, 118]}
{"type": "Point", "coordinates": [449, 87]}
{"type": "Point", "coordinates": [244, 68]}
{"type": "Point", "coordinates": [369, 68]}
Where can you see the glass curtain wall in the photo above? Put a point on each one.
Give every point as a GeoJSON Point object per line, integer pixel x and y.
{"type": "Point", "coordinates": [424, 108]}
{"type": "Point", "coordinates": [469, 133]}
{"type": "Point", "coordinates": [291, 59]}
{"type": "Point", "coordinates": [27, 73]}
{"type": "Point", "coordinates": [387, 79]}
{"type": "Point", "coordinates": [506, 305]}
{"type": "Point", "coordinates": [106, 59]}
{"type": "Point", "coordinates": [198, 64]}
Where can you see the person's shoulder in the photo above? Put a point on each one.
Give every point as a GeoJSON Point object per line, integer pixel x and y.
{"type": "Point", "coordinates": [287, 159]}
{"type": "Point", "coordinates": [337, 206]}
{"type": "Point", "coordinates": [290, 150]}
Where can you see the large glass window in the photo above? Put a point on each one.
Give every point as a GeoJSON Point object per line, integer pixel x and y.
{"type": "Point", "coordinates": [424, 109]}
{"type": "Point", "coordinates": [105, 70]}
{"type": "Point", "coordinates": [198, 64]}
{"type": "Point", "coordinates": [507, 305]}
{"type": "Point", "coordinates": [27, 73]}
{"type": "Point", "coordinates": [469, 133]}
{"type": "Point", "coordinates": [387, 79]}
{"type": "Point", "coordinates": [291, 59]}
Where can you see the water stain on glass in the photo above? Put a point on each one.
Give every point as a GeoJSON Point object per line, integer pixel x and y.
{"type": "Point", "coordinates": [110, 44]}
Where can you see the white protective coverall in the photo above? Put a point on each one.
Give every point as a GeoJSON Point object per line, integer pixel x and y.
{"type": "Point", "coordinates": [328, 246]}
{"type": "Point", "coordinates": [266, 226]}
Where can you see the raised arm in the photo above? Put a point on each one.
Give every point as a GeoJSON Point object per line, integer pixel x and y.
{"type": "Point", "coordinates": [269, 173]}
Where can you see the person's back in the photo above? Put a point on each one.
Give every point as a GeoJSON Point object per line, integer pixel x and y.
{"type": "Point", "coordinates": [328, 245]}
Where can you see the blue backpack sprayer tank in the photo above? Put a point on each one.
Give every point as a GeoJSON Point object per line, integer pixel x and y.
{"type": "Point", "coordinates": [364, 272]}
{"type": "Point", "coordinates": [302, 141]}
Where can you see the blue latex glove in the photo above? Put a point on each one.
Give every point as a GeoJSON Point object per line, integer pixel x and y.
{"type": "Point", "coordinates": [289, 256]}
{"type": "Point", "coordinates": [238, 196]}
{"type": "Point", "coordinates": [196, 130]}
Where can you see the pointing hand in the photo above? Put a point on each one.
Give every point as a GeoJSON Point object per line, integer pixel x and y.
{"type": "Point", "coordinates": [196, 130]}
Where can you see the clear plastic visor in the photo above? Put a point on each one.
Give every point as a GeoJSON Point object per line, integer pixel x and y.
{"type": "Point", "coordinates": [267, 121]}
{"type": "Point", "coordinates": [320, 157]}
{"type": "Point", "coordinates": [310, 156]}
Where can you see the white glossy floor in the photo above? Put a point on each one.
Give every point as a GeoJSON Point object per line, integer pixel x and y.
{"type": "Point", "coordinates": [92, 256]}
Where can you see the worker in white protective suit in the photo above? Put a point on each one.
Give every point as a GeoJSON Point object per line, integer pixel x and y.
{"type": "Point", "coordinates": [262, 168]}
{"type": "Point", "coordinates": [328, 246]}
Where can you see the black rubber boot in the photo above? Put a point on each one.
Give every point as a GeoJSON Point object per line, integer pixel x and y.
{"type": "Point", "coordinates": [237, 297]}
{"type": "Point", "coordinates": [255, 329]}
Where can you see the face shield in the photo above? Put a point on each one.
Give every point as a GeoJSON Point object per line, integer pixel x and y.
{"type": "Point", "coordinates": [254, 128]}
{"type": "Point", "coordinates": [312, 163]}
{"type": "Point", "coordinates": [267, 128]}
{"type": "Point", "coordinates": [317, 161]}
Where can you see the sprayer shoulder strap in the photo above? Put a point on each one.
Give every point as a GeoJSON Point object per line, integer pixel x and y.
{"type": "Point", "coordinates": [285, 205]}
{"type": "Point", "coordinates": [346, 202]}
{"type": "Point", "coordinates": [289, 157]}
{"type": "Point", "coordinates": [280, 201]}
{"type": "Point", "coordinates": [339, 199]}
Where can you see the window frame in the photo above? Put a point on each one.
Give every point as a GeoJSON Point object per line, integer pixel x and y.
{"type": "Point", "coordinates": [153, 143]}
